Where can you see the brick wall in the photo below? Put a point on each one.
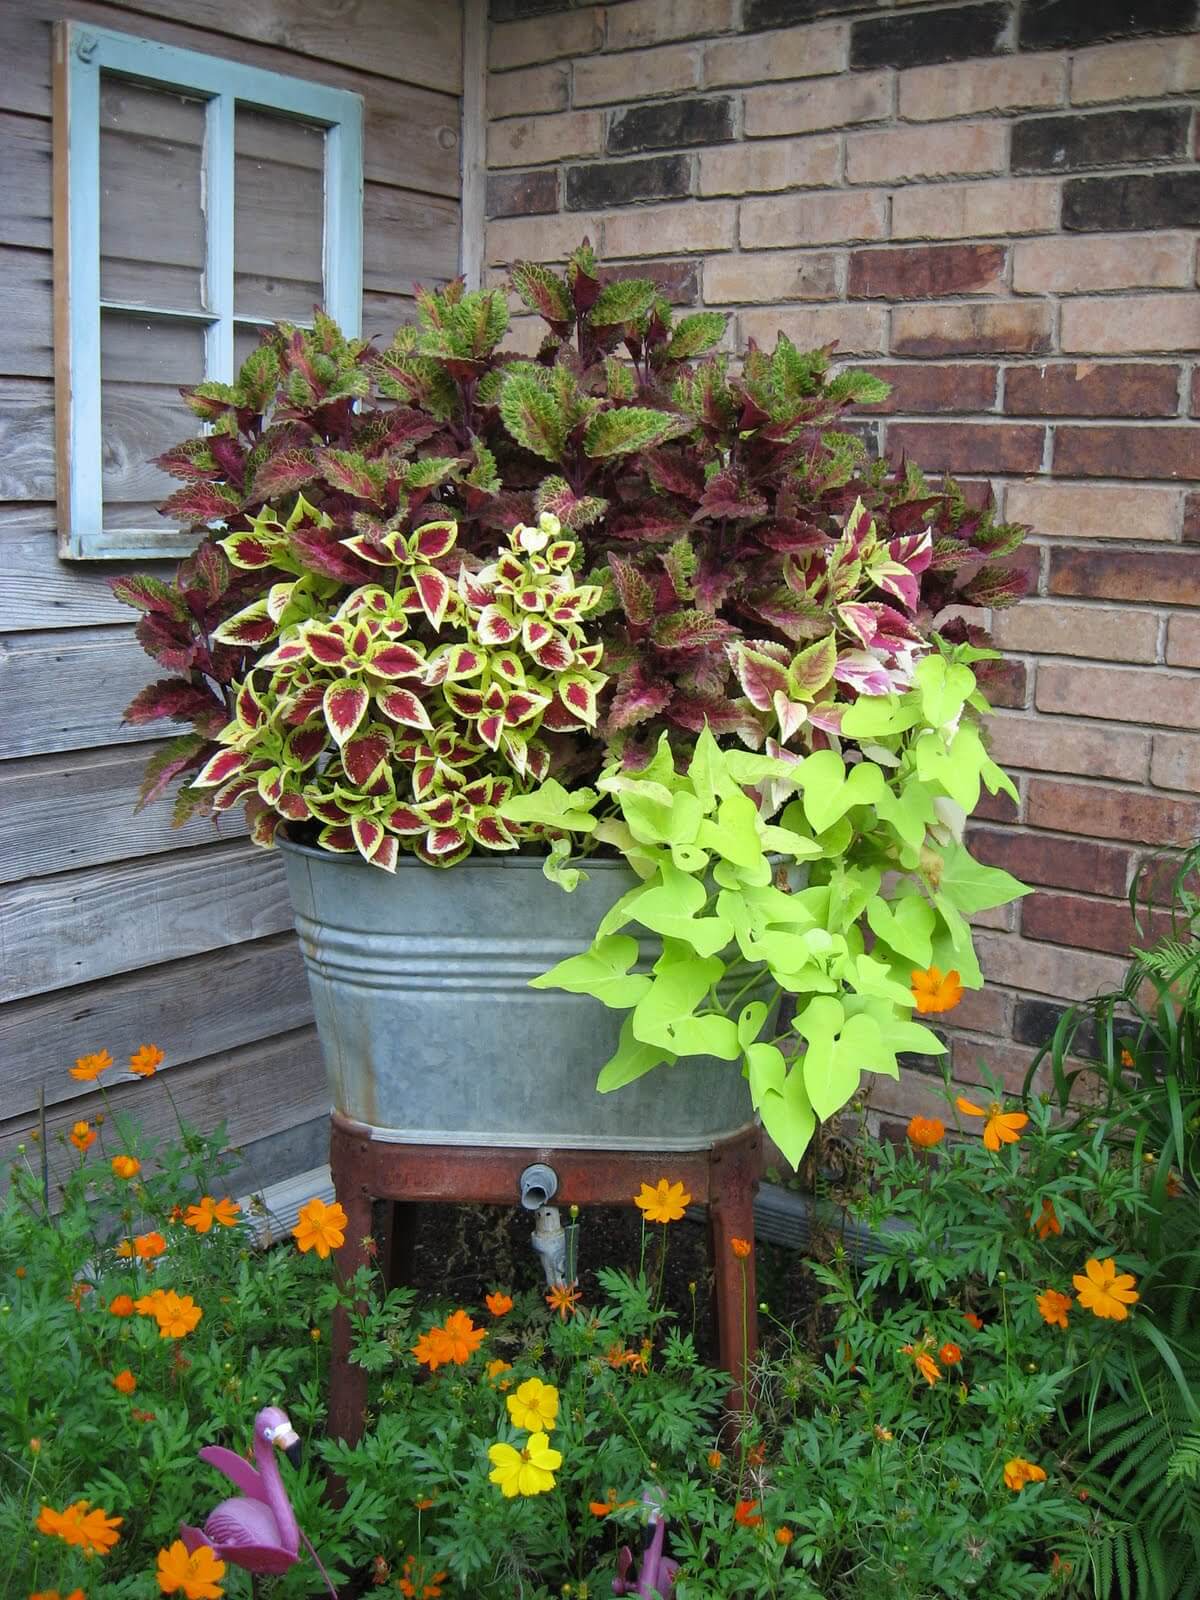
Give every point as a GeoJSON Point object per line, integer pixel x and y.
{"type": "Point", "coordinates": [994, 206]}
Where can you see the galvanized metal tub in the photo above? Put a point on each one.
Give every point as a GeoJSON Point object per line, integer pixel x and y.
{"type": "Point", "coordinates": [432, 1035]}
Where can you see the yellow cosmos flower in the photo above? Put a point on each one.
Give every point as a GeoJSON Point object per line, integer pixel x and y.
{"type": "Point", "coordinates": [194, 1575]}
{"type": "Point", "coordinates": [1104, 1292]}
{"type": "Point", "coordinates": [534, 1406]}
{"type": "Point", "coordinates": [664, 1203]}
{"type": "Point", "coordinates": [320, 1227]}
{"type": "Point", "coordinates": [525, 1472]}
{"type": "Point", "coordinates": [1001, 1127]}
{"type": "Point", "coordinates": [1018, 1472]}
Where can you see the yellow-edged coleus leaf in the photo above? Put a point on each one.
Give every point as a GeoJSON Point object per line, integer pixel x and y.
{"type": "Point", "coordinates": [219, 769]}
{"type": "Point", "coordinates": [393, 661]}
{"type": "Point", "coordinates": [432, 540]}
{"type": "Point", "coordinates": [403, 706]}
{"type": "Point", "coordinates": [345, 705]}
{"type": "Point", "coordinates": [433, 590]}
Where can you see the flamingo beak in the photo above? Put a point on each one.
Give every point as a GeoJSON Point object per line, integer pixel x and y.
{"type": "Point", "coordinates": [289, 1442]}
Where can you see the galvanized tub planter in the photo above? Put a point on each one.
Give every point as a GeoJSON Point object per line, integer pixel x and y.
{"type": "Point", "coordinates": [432, 1035]}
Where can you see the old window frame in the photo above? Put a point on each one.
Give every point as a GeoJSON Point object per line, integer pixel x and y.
{"type": "Point", "coordinates": [81, 53]}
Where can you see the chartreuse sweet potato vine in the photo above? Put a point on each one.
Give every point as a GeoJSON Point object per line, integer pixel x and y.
{"type": "Point", "coordinates": [721, 889]}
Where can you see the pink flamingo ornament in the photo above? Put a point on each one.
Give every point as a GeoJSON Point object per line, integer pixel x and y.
{"type": "Point", "coordinates": [256, 1530]}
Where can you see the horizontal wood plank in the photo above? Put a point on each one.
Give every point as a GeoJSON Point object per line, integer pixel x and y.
{"type": "Point", "coordinates": [411, 133]}
{"type": "Point", "coordinates": [40, 591]}
{"type": "Point", "coordinates": [25, 181]}
{"type": "Point", "coordinates": [26, 436]}
{"type": "Point", "coordinates": [82, 926]}
{"type": "Point", "coordinates": [26, 321]}
{"type": "Point", "coordinates": [259, 1091]}
{"type": "Point", "coordinates": [63, 812]}
{"type": "Point", "coordinates": [194, 1008]}
{"type": "Point", "coordinates": [68, 691]}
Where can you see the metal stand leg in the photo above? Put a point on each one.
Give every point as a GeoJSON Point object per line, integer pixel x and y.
{"type": "Point", "coordinates": [731, 1216]}
{"type": "Point", "coordinates": [348, 1382]}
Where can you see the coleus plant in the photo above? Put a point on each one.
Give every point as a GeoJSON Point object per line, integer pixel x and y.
{"type": "Point", "coordinates": [860, 881]}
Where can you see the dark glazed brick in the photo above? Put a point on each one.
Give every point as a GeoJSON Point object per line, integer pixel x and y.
{"type": "Point", "coordinates": [922, 387]}
{"type": "Point", "coordinates": [676, 280]}
{"type": "Point", "coordinates": [671, 124]}
{"type": "Point", "coordinates": [1064, 863]}
{"type": "Point", "coordinates": [924, 37]}
{"type": "Point", "coordinates": [762, 14]}
{"type": "Point", "coordinates": [620, 183]}
{"type": "Point", "coordinates": [926, 272]}
{"type": "Point", "coordinates": [1034, 1022]}
{"type": "Point", "coordinates": [1127, 452]}
{"type": "Point", "coordinates": [522, 194]}
{"type": "Point", "coordinates": [1137, 200]}
{"type": "Point", "coordinates": [512, 10]}
{"type": "Point", "coordinates": [1087, 389]}
{"type": "Point", "coordinates": [1059, 24]}
{"type": "Point", "coordinates": [1108, 139]}
{"type": "Point", "coordinates": [1149, 577]}
{"type": "Point", "coordinates": [968, 446]}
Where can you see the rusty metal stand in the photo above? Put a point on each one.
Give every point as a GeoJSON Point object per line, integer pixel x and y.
{"type": "Point", "coordinates": [366, 1170]}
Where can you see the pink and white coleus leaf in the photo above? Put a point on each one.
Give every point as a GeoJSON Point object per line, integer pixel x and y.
{"type": "Point", "coordinates": [496, 625]}
{"type": "Point", "coordinates": [861, 670]}
{"type": "Point", "coordinates": [345, 705]}
{"type": "Point", "coordinates": [761, 676]}
{"type": "Point", "coordinates": [791, 715]}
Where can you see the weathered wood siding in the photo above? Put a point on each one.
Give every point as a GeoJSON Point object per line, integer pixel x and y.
{"type": "Point", "coordinates": [115, 929]}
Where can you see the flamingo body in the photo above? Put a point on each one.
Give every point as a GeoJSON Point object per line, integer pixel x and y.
{"type": "Point", "coordinates": [256, 1530]}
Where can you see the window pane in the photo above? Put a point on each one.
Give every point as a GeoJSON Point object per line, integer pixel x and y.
{"type": "Point", "coordinates": [245, 341]}
{"type": "Point", "coordinates": [279, 201]}
{"type": "Point", "coordinates": [151, 213]}
{"type": "Point", "coordinates": [143, 361]}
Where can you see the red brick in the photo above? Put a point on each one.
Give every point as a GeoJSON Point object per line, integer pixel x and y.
{"type": "Point", "coordinates": [1004, 328]}
{"type": "Point", "coordinates": [926, 272]}
{"type": "Point", "coordinates": [1191, 519]}
{"type": "Point", "coordinates": [924, 387]}
{"type": "Point", "coordinates": [971, 1059]}
{"type": "Point", "coordinates": [1042, 744]}
{"type": "Point", "coordinates": [1028, 964]}
{"type": "Point", "coordinates": [1089, 389]}
{"type": "Point", "coordinates": [1133, 452]}
{"type": "Point", "coordinates": [1171, 577]}
{"type": "Point", "coordinates": [982, 1010]}
{"type": "Point", "coordinates": [1194, 407]}
{"type": "Point", "coordinates": [1005, 683]}
{"type": "Point", "coordinates": [1183, 640]}
{"type": "Point", "coordinates": [1101, 632]}
{"type": "Point", "coordinates": [1120, 694]}
{"type": "Point", "coordinates": [1176, 762]}
{"type": "Point", "coordinates": [996, 807]}
{"type": "Point", "coordinates": [1076, 920]}
{"type": "Point", "coordinates": [968, 446]}
{"type": "Point", "coordinates": [676, 280]}
{"type": "Point", "coordinates": [1090, 511]}
{"type": "Point", "coordinates": [1106, 812]}
{"type": "Point", "coordinates": [1063, 863]}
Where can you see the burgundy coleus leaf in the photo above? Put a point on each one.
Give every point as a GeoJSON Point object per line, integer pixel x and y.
{"type": "Point", "coordinates": [894, 630]}
{"type": "Point", "coordinates": [204, 576]}
{"type": "Point", "coordinates": [713, 582]}
{"type": "Point", "coordinates": [368, 835]}
{"type": "Point", "coordinates": [648, 526]}
{"type": "Point", "coordinates": [365, 754]}
{"type": "Point", "coordinates": [913, 552]}
{"type": "Point", "coordinates": [759, 670]}
{"type": "Point", "coordinates": [790, 533]}
{"type": "Point", "coordinates": [320, 551]}
{"type": "Point", "coordinates": [433, 540]}
{"type": "Point", "coordinates": [673, 472]}
{"type": "Point", "coordinates": [394, 661]}
{"type": "Point", "coordinates": [522, 705]}
{"type": "Point", "coordinates": [638, 697]}
{"type": "Point", "coordinates": [293, 806]}
{"type": "Point", "coordinates": [490, 728]}
{"type": "Point", "coordinates": [407, 820]}
{"type": "Point", "coordinates": [406, 427]}
{"type": "Point", "coordinates": [181, 756]}
{"type": "Point", "coordinates": [491, 831]}
{"type": "Point", "coordinates": [178, 699]}
{"type": "Point", "coordinates": [148, 594]}
{"type": "Point", "coordinates": [172, 644]}
{"type": "Point", "coordinates": [433, 591]}
{"type": "Point", "coordinates": [795, 617]}
{"type": "Point", "coordinates": [996, 586]}
{"type": "Point", "coordinates": [345, 705]}
{"type": "Point", "coordinates": [191, 461]}
{"type": "Point", "coordinates": [326, 645]}
{"type": "Point", "coordinates": [230, 457]}
{"type": "Point", "coordinates": [200, 502]}
{"type": "Point", "coordinates": [467, 702]}
{"type": "Point", "coordinates": [727, 494]}
{"type": "Point", "coordinates": [338, 838]}
{"type": "Point", "coordinates": [690, 630]}
{"type": "Point", "coordinates": [496, 625]}
{"type": "Point", "coordinates": [302, 747]}
{"type": "Point", "coordinates": [948, 555]}
{"type": "Point", "coordinates": [220, 768]}
{"type": "Point", "coordinates": [282, 473]}
{"type": "Point", "coordinates": [402, 706]}
{"type": "Point", "coordinates": [695, 712]}
{"type": "Point", "coordinates": [633, 590]}
{"type": "Point", "coordinates": [350, 474]}
{"type": "Point", "coordinates": [441, 842]}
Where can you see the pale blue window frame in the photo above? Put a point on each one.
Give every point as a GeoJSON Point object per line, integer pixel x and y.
{"type": "Point", "coordinates": [81, 54]}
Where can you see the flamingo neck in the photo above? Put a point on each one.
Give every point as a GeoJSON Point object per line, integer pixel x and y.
{"type": "Point", "coordinates": [275, 1494]}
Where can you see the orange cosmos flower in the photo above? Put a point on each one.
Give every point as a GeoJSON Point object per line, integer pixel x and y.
{"type": "Point", "coordinates": [601, 1508]}
{"type": "Point", "coordinates": [784, 1536]}
{"type": "Point", "coordinates": [1054, 1308]}
{"type": "Point", "coordinates": [125, 1250]}
{"type": "Point", "coordinates": [194, 1574]}
{"type": "Point", "coordinates": [126, 1166]}
{"type": "Point", "coordinates": [498, 1304]}
{"type": "Point", "coordinates": [715, 1459]}
{"type": "Point", "coordinates": [93, 1532]}
{"type": "Point", "coordinates": [664, 1203]}
{"type": "Point", "coordinates": [746, 1514]}
{"type": "Point", "coordinates": [1104, 1292]}
{"type": "Point", "coordinates": [974, 1319]}
{"type": "Point", "coordinates": [462, 1337]}
{"type": "Point", "coordinates": [933, 992]}
{"type": "Point", "coordinates": [949, 1355]}
{"type": "Point", "coordinates": [320, 1227]}
{"type": "Point", "coordinates": [82, 1136]}
{"type": "Point", "coordinates": [496, 1367]}
{"type": "Point", "coordinates": [924, 1363]}
{"type": "Point", "coordinates": [147, 1305]}
{"type": "Point", "coordinates": [925, 1132]}
{"type": "Point", "coordinates": [146, 1060]}
{"type": "Point", "coordinates": [125, 1382]}
{"type": "Point", "coordinates": [432, 1349]}
{"type": "Point", "coordinates": [88, 1068]}
{"type": "Point", "coordinates": [201, 1217]}
{"type": "Point", "coordinates": [148, 1245]}
{"type": "Point", "coordinates": [176, 1315]}
{"type": "Point", "coordinates": [564, 1298]}
{"type": "Point", "coordinates": [1018, 1472]}
{"type": "Point", "coordinates": [639, 1360]}
{"type": "Point", "coordinates": [121, 1306]}
{"type": "Point", "coordinates": [1049, 1222]}
{"type": "Point", "coordinates": [1001, 1127]}
{"type": "Point", "coordinates": [1174, 1185]}
{"type": "Point", "coordinates": [740, 1248]}
{"type": "Point", "coordinates": [53, 1594]}
{"type": "Point", "coordinates": [1126, 1058]}
{"type": "Point", "coordinates": [77, 1293]}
